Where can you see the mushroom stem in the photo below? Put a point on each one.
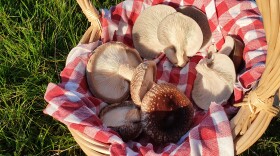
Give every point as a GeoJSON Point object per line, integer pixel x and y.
{"type": "Point", "coordinates": [126, 71]}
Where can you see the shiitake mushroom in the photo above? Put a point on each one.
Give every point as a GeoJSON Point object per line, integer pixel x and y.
{"type": "Point", "coordinates": [166, 113]}
{"type": "Point", "coordinates": [124, 118]}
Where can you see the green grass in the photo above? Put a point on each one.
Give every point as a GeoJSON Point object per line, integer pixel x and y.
{"type": "Point", "coordinates": [35, 37]}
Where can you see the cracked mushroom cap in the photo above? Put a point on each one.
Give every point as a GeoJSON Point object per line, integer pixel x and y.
{"type": "Point", "coordinates": [201, 18]}
{"type": "Point", "coordinates": [181, 36]}
{"type": "Point", "coordinates": [102, 72]}
{"type": "Point", "coordinates": [124, 118]}
{"type": "Point", "coordinates": [144, 31]}
{"type": "Point", "coordinates": [142, 80]}
{"type": "Point", "coordinates": [214, 81]}
{"type": "Point", "coordinates": [166, 113]}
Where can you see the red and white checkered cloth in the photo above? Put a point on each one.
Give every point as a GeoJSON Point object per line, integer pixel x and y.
{"type": "Point", "coordinates": [71, 102]}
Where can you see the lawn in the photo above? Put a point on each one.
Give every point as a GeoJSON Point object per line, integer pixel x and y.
{"type": "Point", "coordinates": [35, 37]}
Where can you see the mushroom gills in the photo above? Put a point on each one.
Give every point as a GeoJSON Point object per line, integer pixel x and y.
{"type": "Point", "coordinates": [143, 80]}
{"type": "Point", "coordinates": [201, 19]}
{"type": "Point", "coordinates": [124, 118]}
{"type": "Point", "coordinates": [103, 77]}
{"type": "Point", "coordinates": [214, 80]}
{"type": "Point", "coordinates": [184, 37]}
{"type": "Point", "coordinates": [144, 31]}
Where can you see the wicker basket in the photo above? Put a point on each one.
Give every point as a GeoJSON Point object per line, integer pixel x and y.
{"type": "Point", "coordinates": [257, 108]}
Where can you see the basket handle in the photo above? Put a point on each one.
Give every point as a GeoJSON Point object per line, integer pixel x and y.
{"type": "Point", "coordinates": [257, 108]}
{"type": "Point", "coordinates": [93, 33]}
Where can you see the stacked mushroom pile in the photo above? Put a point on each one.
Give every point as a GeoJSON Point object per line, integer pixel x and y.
{"type": "Point", "coordinates": [155, 107]}
{"type": "Point", "coordinates": [181, 34]}
{"type": "Point", "coordinates": [117, 74]}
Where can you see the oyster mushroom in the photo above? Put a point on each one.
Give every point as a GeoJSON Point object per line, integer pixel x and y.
{"type": "Point", "coordinates": [124, 118]}
{"type": "Point", "coordinates": [144, 31]}
{"type": "Point", "coordinates": [104, 77]}
{"type": "Point", "coordinates": [234, 49]}
{"type": "Point", "coordinates": [201, 19]}
{"type": "Point", "coordinates": [181, 36]}
{"type": "Point", "coordinates": [214, 81]}
{"type": "Point", "coordinates": [166, 113]}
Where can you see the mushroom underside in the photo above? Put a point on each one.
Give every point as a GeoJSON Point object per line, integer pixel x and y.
{"type": "Point", "coordinates": [123, 118]}
{"type": "Point", "coordinates": [103, 77]}
{"type": "Point", "coordinates": [214, 81]}
{"type": "Point", "coordinates": [144, 31]}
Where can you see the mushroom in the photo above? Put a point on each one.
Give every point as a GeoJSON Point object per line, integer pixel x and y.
{"type": "Point", "coordinates": [141, 78]}
{"type": "Point", "coordinates": [181, 36]}
{"type": "Point", "coordinates": [161, 104]}
{"type": "Point", "coordinates": [144, 31]}
{"type": "Point", "coordinates": [201, 19]}
{"type": "Point", "coordinates": [105, 78]}
{"type": "Point", "coordinates": [166, 113]}
{"type": "Point", "coordinates": [214, 81]}
{"type": "Point", "coordinates": [234, 49]}
{"type": "Point", "coordinates": [124, 118]}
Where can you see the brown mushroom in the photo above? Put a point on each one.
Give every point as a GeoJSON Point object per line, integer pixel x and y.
{"type": "Point", "coordinates": [181, 36]}
{"type": "Point", "coordinates": [159, 103]}
{"type": "Point", "coordinates": [104, 77]}
{"type": "Point", "coordinates": [234, 49]}
{"type": "Point", "coordinates": [214, 81]}
{"type": "Point", "coordinates": [124, 118]}
{"type": "Point", "coordinates": [144, 31]}
{"type": "Point", "coordinates": [166, 113]}
{"type": "Point", "coordinates": [201, 19]}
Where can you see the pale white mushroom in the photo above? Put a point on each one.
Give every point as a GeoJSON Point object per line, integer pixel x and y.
{"type": "Point", "coordinates": [105, 77]}
{"type": "Point", "coordinates": [181, 36]}
{"type": "Point", "coordinates": [145, 30]}
{"type": "Point", "coordinates": [214, 81]}
{"type": "Point", "coordinates": [201, 18]}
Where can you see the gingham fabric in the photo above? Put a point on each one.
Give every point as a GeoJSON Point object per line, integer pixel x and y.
{"type": "Point", "coordinates": [71, 102]}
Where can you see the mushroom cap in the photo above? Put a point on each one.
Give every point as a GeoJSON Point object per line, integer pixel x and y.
{"type": "Point", "coordinates": [144, 31]}
{"type": "Point", "coordinates": [181, 32]}
{"type": "Point", "coordinates": [234, 49]}
{"type": "Point", "coordinates": [124, 118]}
{"type": "Point", "coordinates": [201, 18]}
{"type": "Point", "coordinates": [102, 72]}
{"type": "Point", "coordinates": [214, 81]}
{"type": "Point", "coordinates": [166, 113]}
{"type": "Point", "coordinates": [142, 80]}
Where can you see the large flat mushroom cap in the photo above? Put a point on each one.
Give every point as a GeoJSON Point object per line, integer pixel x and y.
{"type": "Point", "coordinates": [144, 31]}
{"type": "Point", "coordinates": [102, 72]}
{"type": "Point", "coordinates": [142, 80]}
{"type": "Point", "coordinates": [214, 82]}
{"type": "Point", "coordinates": [181, 32]}
{"type": "Point", "coordinates": [124, 118]}
{"type": "Point", "coordinates": [201, 18]}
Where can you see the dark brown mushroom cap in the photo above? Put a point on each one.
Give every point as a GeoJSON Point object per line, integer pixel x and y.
{"type": "Point", "coordinates": [166, 114]}
{"type": "Point", "coordinates": [103, 77]}
{"type": "Point", "coordinates": [124, 118]}
{"type": "Point", "coordinates": [164, 97]}
{"type": "Point", "coordinates": [142, 80]}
